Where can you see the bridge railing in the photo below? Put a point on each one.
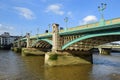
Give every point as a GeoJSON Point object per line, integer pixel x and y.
{"type": "Point", "coordinates": [41, 35]}
{"type": "Point", "coordinates": [116, 20]}
{"type": "Point", "coordinates": [107, 46]}
{"type": "Point", "coordinates": [93, 25]}
{"type": "Point", "coordinates": [87, 26]}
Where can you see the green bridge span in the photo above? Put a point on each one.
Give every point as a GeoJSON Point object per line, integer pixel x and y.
{"type": "Point", "coordinates": [77, 40]}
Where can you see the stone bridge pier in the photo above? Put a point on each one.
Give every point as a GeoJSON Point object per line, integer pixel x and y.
{"type": "Point", "coordinates": [59, 57]}
{"type": "Point", "coordinates": [104, 51]}
{"type": "Point", "coordinates": [28, 50]}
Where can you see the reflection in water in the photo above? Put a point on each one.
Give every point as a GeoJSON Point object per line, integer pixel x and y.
{"type": "Point", "coordinates": [35, 66]}
{"type": "Point", "coordinates": [106, 67]}
{"type": "Point", "coordinates": [102, 72]}
{"type": "Point", "coordinates": [68, 73]}
{"type": "Point", "coordinates": [15, 67]}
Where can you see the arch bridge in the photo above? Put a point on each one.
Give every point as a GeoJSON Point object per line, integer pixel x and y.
{"type": "Point", "coordinates": [76, 40]}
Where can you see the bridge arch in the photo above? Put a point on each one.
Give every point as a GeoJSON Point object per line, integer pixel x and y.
{"type": "Point", "coordinates": [87, 37]}
{"type": "Point", "coordinates": [46, 40]}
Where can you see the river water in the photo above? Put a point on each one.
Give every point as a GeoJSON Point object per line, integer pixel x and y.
{"type": "Point", "coordinates": [15, 67]}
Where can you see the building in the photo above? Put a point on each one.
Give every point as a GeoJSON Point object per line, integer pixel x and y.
{"type": "Point", "coordinates": [6, 40]}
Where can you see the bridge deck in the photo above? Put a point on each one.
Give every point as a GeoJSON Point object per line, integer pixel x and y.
{"type": "Point", "coordinates": [83, 28]}
{"type": "Point", "coordinates": [107, 22]}
{"type": "Point", "coordinates": [108, 46]}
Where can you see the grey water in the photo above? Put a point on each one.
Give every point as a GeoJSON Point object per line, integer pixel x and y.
{"type": "Point", "coordinates": [15, 67]}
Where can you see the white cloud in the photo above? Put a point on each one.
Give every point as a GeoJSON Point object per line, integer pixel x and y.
{"type": "Point", "coordinates": [55, 8]}
{"type": "Point", "coordinates": [25, 12]}
{"type": "Point", "coordinates": [5, 28]}
{"type": "Point", "coordinates": [89, 19]}
{"type": "Point", "coordinates": [0, 25]}
{"type": "Point", "coordinates": [70, 14]}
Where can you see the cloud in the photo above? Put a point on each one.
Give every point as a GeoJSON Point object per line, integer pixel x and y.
{"type": "Point", "coordinates": [89, 19]}
{"type": "Point", "coordinates": [70, 14]}
{"type": "Point", "coordinates": [5, 28]}
{"type": "Point", "coordinates": [25, 12]}
{"type": "Point", "coordinates": [0, 25]}
{"type": "Point", "coordinates": [55, 8]}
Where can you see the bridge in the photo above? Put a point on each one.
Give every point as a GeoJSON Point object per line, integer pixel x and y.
{"type": "Point", "coordinates": [109, 47]}
{"type": "Point", "coordinates": [76, 41]}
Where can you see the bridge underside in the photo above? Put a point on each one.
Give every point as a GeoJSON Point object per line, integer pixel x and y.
{"type": "Point", "coordinates": [88, 44]}
{"type": "Point", "coordinates": [23, 44]}
{"type": "Point", "coordinates": [43, 45]}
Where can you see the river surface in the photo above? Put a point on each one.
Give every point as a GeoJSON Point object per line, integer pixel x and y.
{"type": "Point", "coordinates": [15, 67]}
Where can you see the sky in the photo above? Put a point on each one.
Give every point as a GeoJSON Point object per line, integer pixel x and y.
{"type": "Point", "coordinates": [19, 17]}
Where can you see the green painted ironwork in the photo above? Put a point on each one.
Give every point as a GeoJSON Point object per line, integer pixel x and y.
{"type": "Point", "coordinates": [83, 28]}
{"type": "Point", "coordinates": [90, 27]}
{"type": "Point", "coordinates": [101, 9]}
{"type": "Point", "coordinates": [66, 21]}
{"type": "Point", "coordinates": [86, 29]}
{"type": "Point", "coordinates": [102, 22]}
{"type": "Point", "coordinates": [46, 40]}
{"type": "Point", "coordinates": [88, 36]}
{"type": "Point", "coordinates": [49, 41]}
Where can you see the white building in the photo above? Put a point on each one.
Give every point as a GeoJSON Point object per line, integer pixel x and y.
{"type": "Point", "coordinates": [7, 39]}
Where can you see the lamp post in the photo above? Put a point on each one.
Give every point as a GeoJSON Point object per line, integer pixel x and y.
{"type": "Point", "coordinates": [66, 20]}
{"type": "Point", "coordinates": [37, 30]}
{"type": "Point", "coordinates": [101, 9]}
{"type": "Point", "coordinates": [49, 27]}
{"type": "Point", "coordinates": [37, 33]}
{"type": "Point", "coordinates": [30, 32]}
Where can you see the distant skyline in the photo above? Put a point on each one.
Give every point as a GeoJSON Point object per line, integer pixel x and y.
{"type": "Point", "coordinates": [19, 17]}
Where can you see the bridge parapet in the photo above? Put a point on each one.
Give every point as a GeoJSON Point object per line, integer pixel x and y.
{"type": "Point", "coordinates": [41, 35]}
{"type": "Point", "coordinates": [76, 34]}
{"type": "Point", "coordinates": [108, 46]}
{"type": "Point", "coordinates": [93, 25]}
{"type": "Point", "coordinates": [116, 20]}
{"type": "Point", "coordinates": [82, 27]}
